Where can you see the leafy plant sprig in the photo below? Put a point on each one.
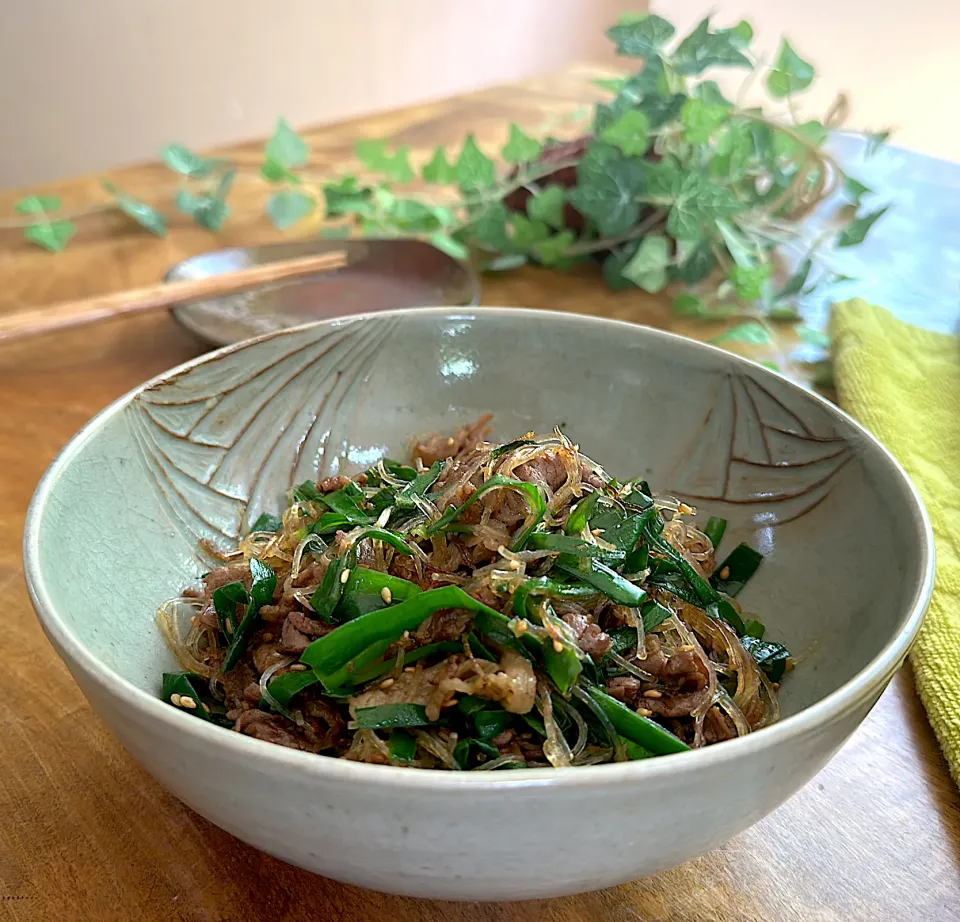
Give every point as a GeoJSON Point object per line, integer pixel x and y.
{"type": "Point", "coordinates": [674, 182]}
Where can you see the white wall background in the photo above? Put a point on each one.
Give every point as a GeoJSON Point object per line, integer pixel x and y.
{"type": "Point", "coordinates": [89, 84]}
{"type": "Point", "coordinates": [898, 61]}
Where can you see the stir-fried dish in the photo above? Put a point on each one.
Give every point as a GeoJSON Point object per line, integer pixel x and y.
{"type": "Point", "coordinates": [485, 607]}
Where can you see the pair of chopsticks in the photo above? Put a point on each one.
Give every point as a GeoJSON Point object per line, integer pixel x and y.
{"type": "Point", "coordinates": [137, 301]}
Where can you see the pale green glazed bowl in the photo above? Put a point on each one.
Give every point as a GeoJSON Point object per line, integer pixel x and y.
{"type": "Point", "coordinates": [200, 451]}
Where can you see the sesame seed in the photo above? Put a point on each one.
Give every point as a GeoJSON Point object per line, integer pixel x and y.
{"type": "Point", "coordinates": [384, 517]}
{"type": "Point", "coordinates": [514, 565]}
{"type": "Point", "coordinates": [187, 702]}
{"type": "Point", "coordinates": [724, 573]}
{"type": "Point", "coordinates": [687, 648]}
{"type": "Point", "coordinates": [409, 669]}
{"type": "Point", "coordinates": [175, 699]}
{"type": "Point", "coordinates": [298, 667]}
{"type": "Point", "coordinates": [386, 683]}
{"type": "Point", "coordinates": [345, 576]}
{"type": "Point", "coordinates": [558, 646]}
{"type": "Point", "coordinates": [652, 693]}
{"type": "Point", "coordinates": [406, 635]}
{"type": "Point", "coordinates": [522, 626]}
{"type": "Point", "coordinates": [386, 595]}
{"type": "Point", "coordinates": [267, 637]}
{"type": "Point", "coordinates": [596, 531]}
{"type": "Point", "coordinates": [644, 712]}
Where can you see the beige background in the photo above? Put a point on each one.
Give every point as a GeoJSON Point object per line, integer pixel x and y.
{"type": "Point", "coordinates": [99, 83]}
{"type": "Point", "coordinates": [88, 84]}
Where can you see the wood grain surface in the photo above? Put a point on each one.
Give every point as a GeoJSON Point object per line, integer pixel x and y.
{"type": "Point", "coordinates": [86, 835]}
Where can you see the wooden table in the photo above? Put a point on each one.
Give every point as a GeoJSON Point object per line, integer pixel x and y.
{"type": "Point", "coordinates": [87, 835]}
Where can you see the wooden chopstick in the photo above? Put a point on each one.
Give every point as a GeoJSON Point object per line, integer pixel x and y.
{"type": "Point", "coordinates": [166, 294]}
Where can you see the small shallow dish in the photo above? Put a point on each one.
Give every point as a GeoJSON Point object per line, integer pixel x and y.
{"type": "Point", "coordinates": [380, 275]}
{"type": "Point", "coordinates": [202, 450]}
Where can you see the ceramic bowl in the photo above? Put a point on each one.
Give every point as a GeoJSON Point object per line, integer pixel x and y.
{"type": "Point", "coordinates": [114, 526]}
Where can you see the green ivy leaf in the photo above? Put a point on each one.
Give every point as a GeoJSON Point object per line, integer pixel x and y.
{"type": "Point", "coordinates": [630, 133]}
{"type": "Point", "coordinates": [786, 146]}
{"type": "Point", "coordinates": [553, 251]}
{"type": "Point", "coordinates": [604, 114]}
{"type": "Point", "coordinates": [505, 262]}
{"type": "Point", "coordinates": [648, 268]}
{"type": "Point", "coordinates": [875, 140]}
{"type": "Point", "coordinates": [475, 170]}
{"type": "Point", "coordinates": [696, 261]}
{"type": "Point", "coordinates": [741, 34]}
{"type": "Point", "coordinates": [51, 235]}
{"type": "Point", "coordinates": [274, 172]}
{"type": "Point", "coordinates": [697, 202]}
{"type": "Point", "coordinates": [651, 81]}
{"type": "Point", "coordinates": [783, 313]}
{"type": "Point", "coordinates": [791, 74]}
{"type": "Point", "coordinates": [286, 147]}
{"type": "Point", "coordinates": [374, 155]}
{"type": "Point", "coordinates": [749, 283]}
{"type": "Point", "coordinates": [607, 190]}
{"type": "Point", "coordinates": [185, 161]}
{"type": "Point", "coordinates": [685, 223]}
{"type": "Point", "coordinates": [709, 91]}
{"type": "Point", "coordinates": [663, 178]}
{"type": "Point", "coordinates": [209, 211]}
{"type": "Point", "coordinates": [520, 147]}
{"type": "Point", "coordinates": [701, 119]}
{"type": "Point", "coordinates": [750, 333]}
{"type": "Point", "coordinates": [702, 49]}
{"type": "Point", "coordinates": [398, 166]}
{"type": "Point", "coordinates": [735, 146]}
{"type": "Point", "coordinates": [794, 284]}
{"type": "Point", "coordinates": [416, 217]}
{"type": "Point", "coordinates": [856, 232]}
{"type": "Point", "coordinates": [614, 84]}
{"type": "Point", "coordinates": [547, 205]}
{"type": "Point", "coordinates": [439, 170]}
{"type": "Point", "coordinates": [813, 337]}
{"type": "Point", "coordinates": [689, 306]}
{"type": "Point", "coordinates": [641, 37]}
{"type": "Point", "coordinates": [855, 190]}
{"type": "Point", "coordinates": [738, 246]}
{"type": "Point", "coordinates": [38, 204]}
{"type": "Point", "coordinates": [613, 267]}
{"type": "Point", "coordinates": [661, 110]}
{"type": "Point", "coordinates": [527, 233]}
{"type": "Point", "coordinates": [347, 197]}
{"type": "Point", "coordinates": [489, 227]}
{"type": "Point", "coordinates": [446, 244]}
{"type": "Point", "coordinates": [141, 212]}
{"type": "Point", "coordinates": [288, 207]}
{"type": "Point", "coordinates": [823, 376]}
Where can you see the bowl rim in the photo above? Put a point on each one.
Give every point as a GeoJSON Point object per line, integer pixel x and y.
{"type": "Point", "coordinates": [870, 680]}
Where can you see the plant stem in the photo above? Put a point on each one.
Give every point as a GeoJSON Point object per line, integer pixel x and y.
{"type": "Point", "coordinates": [33, 220]}
{"type": "Point", "coordinates": [593, 246]}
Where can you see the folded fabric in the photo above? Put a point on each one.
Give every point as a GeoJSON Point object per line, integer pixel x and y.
{"type": "Point", "coordinates": [903, 383]}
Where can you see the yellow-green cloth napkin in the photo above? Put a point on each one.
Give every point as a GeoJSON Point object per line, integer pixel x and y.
{"type": "Point", "coordinates": [903, 383]}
